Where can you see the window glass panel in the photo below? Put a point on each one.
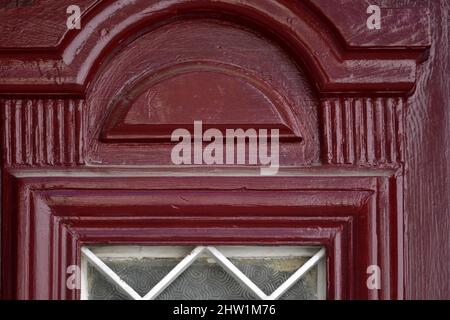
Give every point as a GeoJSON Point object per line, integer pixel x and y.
{"type": "Point", "coordinates": [142, 274]}
{"type": "Point", "coordinates": [205, 280]}
{"type": "Point", "coordinates": [100, 288]}
{"type": "Point", "coordinates": [203, 273]}
{"type": "Point", "coordinates": [305, 288]}
{"type": "Point", "coordinates": [270, 273]}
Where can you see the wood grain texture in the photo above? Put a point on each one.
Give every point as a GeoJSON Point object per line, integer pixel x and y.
{"type": "Point", "coordinates": [42, 33]}
{"type": "Point", "coordinates": [71, 64]}
{"type": "Point", "coordinates": [42, 132]}
{"type": "Point", "coordinates": [363, 131]}
{"type": "Point", "coordinates": [50, 218]}
{"type": "Point", "coordinates": [237, 78]}
{"type": "Point", "coordinates": [48, 29]}
{"type": "Point", "coordinates": [370, 178]}
{"type": "Point", "coordinates": [396, 21]}
{"type": "Point", "coordinates": [427, 172]}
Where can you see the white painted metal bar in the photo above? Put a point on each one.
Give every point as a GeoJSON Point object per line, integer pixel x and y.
{"type": "Point", "coordinates": [173, 274]}
{"type": "Point", "coordinates": [297, 275]}
{"type": "Point", "coordinates": [322, 280]}
{"type": "Point", "coordinates": [220, 258]}
{"type": "Point", "coordinates": [106, 271]}
{"type": "Point", "coordinates": [84, 279]}
{"type": "Point", "coordinates": [140, 252]}
{"type": "Point", "coordinates": [235, 251]}
{"type": "Point", "coordinates": [236, 273]}
{"type": "Point", "coordinates": [255, 252]}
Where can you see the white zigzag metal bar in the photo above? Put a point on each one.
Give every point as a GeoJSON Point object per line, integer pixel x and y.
{"type": "Point", "coordinates": [297, 275]}
{"type": "Point", "coordinates": [110, 274]}
{"type": "Point", "coordinates": [189, 259]}
{"type": "Point", "coordinates": [173, 274]}
{"type": "Point", "coordinates": [245, 281]}
{"type": "Point", "coordinates": [236, 273]}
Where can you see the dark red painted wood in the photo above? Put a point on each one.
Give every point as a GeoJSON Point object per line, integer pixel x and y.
{"type": "Point", "coordinates": [427, 169]}
{"type": "Point", "coordinates": [362, 112]}
{"type": "Point", "coordinates": [49, 218]}
{"type": "Point", "coordinates": [72, 61]}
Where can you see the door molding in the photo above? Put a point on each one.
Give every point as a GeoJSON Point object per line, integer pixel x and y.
{"type": "Point", "coordinates": [329, 57]}
{"type": "Point", "coordinates": [48, 219]}
{"type": "Point", "coordinates": [45, 90]}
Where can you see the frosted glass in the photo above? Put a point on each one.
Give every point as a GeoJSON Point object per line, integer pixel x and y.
{"type": "Point", "coordinates": [205, 279]}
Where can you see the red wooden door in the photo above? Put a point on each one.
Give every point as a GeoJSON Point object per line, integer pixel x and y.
{"type": "Point", "coordinates": [89, 105]}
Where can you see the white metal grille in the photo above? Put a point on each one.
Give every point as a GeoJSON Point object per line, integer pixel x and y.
{"type": "Point", "coordinates": [216, 253]}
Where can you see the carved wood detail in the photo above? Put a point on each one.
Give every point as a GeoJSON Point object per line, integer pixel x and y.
{"type": "Point", "coordinates": [42, 132]}
{"type": "Point", "coordinates": [303, 26]}
{"type": "Point", "coordinates": [344, 91]}
{"type": "Point", "coordinates": [57, 215]}
{"type": "Point", "coordinates": [355, 131]}
{"type": "Point", "coordinates": [363, 131]}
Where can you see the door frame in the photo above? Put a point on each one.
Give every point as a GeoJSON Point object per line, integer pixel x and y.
{"type": "Point", "coordinates": [420, 137]}
{"type": "Point", "coordinates": [61, 211]}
